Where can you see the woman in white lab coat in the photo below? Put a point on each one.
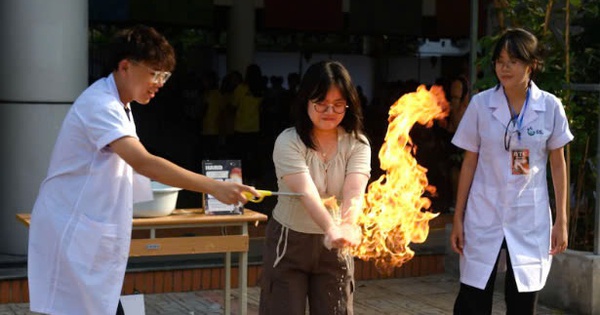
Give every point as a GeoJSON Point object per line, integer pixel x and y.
{"type": "Point", "coordinates": [81, 222]}
{"type": "Point", "coordinates": [509, 132]}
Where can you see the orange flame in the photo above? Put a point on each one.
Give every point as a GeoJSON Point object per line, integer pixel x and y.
{"type": "Point", "coordinates": [392, 218]}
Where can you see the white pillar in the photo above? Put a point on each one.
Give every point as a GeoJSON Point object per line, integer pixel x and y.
{"type": "Point", "coordinates": [43, 66]}
{"type": "Point", "coordinates": [240, 35]}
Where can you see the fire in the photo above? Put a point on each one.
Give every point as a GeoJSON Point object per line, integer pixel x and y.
{"type": "Point", "coordinates": [392, 216]}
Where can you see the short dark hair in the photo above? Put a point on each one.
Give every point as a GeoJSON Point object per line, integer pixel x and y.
{"type": "Point", "coordinates": [144, 44]}
{"type": "Point", "coordinates": [519, 44]}
{"type": "Point", "coordinates": [315, 84]}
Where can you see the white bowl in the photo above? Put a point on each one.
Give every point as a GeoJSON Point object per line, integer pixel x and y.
{"type": "Point", "coordinates": [165, 198]}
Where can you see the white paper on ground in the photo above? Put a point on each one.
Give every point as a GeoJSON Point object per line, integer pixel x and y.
{"type": "Point", "coordinates": [142, 188]}
{"type": "Point", "coordinates": [133, 304]}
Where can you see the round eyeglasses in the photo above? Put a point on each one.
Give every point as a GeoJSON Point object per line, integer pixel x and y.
{"type": "Point", "coordinates": [158, 77]}
{"type": "Point", "coordinates": [337, 107]}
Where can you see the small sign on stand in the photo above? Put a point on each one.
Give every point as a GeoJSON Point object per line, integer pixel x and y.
{"type": "Point", "coordinates": [223, 170]}
{"type": "Point", "coordinates": [133, 304]}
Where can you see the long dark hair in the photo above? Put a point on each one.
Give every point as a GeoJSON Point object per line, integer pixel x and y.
{"type": "Point", "coordinates": [519, 44]}
{"type": "Point", "coordinates": [316, 82]}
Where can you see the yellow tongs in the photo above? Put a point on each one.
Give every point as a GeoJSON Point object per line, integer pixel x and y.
{"type": "Point", "coordinates": [265, 193]}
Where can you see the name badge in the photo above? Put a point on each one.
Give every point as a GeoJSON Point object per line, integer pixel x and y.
{"type": "Point", "coordinates": [520, 161]}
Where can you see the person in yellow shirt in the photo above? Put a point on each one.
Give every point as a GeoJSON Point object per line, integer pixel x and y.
{"type": "Point", "coordinates": [247, 100]}
{"type": "Point", "coordinates": [213, 131]}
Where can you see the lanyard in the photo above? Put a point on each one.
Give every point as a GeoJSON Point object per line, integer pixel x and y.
{"type": "Point", "coordinates": [514, 115]}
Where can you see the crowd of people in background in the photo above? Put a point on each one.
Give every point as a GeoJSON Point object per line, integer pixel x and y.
{"type": "Point", "coordinates": [240, 116]}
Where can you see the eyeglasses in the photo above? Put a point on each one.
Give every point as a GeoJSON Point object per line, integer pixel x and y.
{"type": "Point", "coordinates": [337, 107]}
{"type": "Point", "coordinates": [508, 134]}
{"type": "Point", "coordinates": [507, 64]}
{"type": "Point", "coordinates": [159, 77]}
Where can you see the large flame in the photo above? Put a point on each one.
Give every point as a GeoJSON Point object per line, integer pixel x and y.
{"type": "Point", "coordinates": [393, 216]}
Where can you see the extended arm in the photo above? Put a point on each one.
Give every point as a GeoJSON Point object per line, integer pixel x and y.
{"type": "Point", "coordinates": [157, 168]}
{"type": "Point", "coordinates": [302, 183]}
{"type": "Point", "coordinates": [353, 192]}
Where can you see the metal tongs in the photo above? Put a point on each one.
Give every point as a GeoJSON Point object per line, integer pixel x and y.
{"type": "Point", "coordinates": [265, 193]}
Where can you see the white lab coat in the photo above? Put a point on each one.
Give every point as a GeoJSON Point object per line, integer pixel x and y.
{"type": "Point", "coordinates": [81, 222]}
{"type": "Point", "coordinates": [501, 205]}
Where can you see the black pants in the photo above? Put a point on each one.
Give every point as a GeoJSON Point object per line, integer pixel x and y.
{"type": "Point", "coordinates": [471, 300]}
{"type": "Point", "coordinates": [120, 310]}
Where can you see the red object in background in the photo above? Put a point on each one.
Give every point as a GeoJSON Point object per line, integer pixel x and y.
{"type": "Point", "coordinates": [454, 18]}
{"type": "Point", "coordinates": [304, 15]}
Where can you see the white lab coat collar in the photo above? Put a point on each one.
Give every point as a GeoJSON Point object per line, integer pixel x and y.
{"type": "Point", "coordinates": [499, 105]}
{"type": "Point", "coordinates": [112, 87]}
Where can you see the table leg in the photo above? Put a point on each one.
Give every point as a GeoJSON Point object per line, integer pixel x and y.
{"type": "Point", "coordinates": [243, 276]}
{"type": "Point", "coordinates": [227, 296]}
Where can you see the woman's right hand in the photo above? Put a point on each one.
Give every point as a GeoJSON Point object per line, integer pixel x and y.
{"type": "Point", "coordinates": [232, 192]}
{"type": "Point", "coordinates": [457, 237]}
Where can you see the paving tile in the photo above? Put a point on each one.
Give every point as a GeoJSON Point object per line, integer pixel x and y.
{"type": "Point", "coordinates": [428, 295]}
{"type": "Point", "coordinates": [442, 301]}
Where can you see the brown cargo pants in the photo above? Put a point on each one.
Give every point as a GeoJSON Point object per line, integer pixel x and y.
{"type": "Point", "coordinates": [307, 272]}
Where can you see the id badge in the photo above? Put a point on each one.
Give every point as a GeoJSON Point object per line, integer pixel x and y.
{"type": "Point", "coordinates": [520, 161]}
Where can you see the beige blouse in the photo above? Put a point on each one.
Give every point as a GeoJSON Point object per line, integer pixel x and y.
{"type": "Point", "coordinates": [291, 156]}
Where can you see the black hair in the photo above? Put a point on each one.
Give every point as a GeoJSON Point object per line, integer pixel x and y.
{"type": "Point", "coordinates": [254, 80]}
{"type": "Point", "coordinates": [143, 44]}
{"type": "Point", "coordinates": [230, 82]}
{"type": "Point", "coordinates": [519, 44]}
{"type": "Point", "coordinates": [315, 84]}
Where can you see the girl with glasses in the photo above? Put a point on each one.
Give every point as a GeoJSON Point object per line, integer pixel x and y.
{"type": "Point", "coordinates": [325, 154]}
{"type": "Point", "coordinates": [509, 133]}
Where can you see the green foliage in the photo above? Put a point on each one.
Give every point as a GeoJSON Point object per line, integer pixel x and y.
{"type": "Point", "coordinates": [581, 107]}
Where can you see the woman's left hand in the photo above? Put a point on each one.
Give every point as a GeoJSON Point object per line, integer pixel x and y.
{"type": "Point", "coordinates": [352, 232]}
{"type": "Point", "coordinates": [559, 239]}
{"type": "Point", "coordinates": [342, 236]}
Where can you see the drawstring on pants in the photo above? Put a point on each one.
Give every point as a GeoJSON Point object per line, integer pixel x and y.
{"type": "Point", "coordinates": [284, 229]}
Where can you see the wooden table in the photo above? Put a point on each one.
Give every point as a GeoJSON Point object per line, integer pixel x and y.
{"type": "Point", "coordinates": [194, 218]}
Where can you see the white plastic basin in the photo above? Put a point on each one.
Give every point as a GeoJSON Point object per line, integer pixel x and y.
{"type": "Point", "coordinates": [165, 198]}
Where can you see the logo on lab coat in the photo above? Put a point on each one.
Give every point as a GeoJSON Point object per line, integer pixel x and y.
{"type": "Point", "coordinates": [532, 132]}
